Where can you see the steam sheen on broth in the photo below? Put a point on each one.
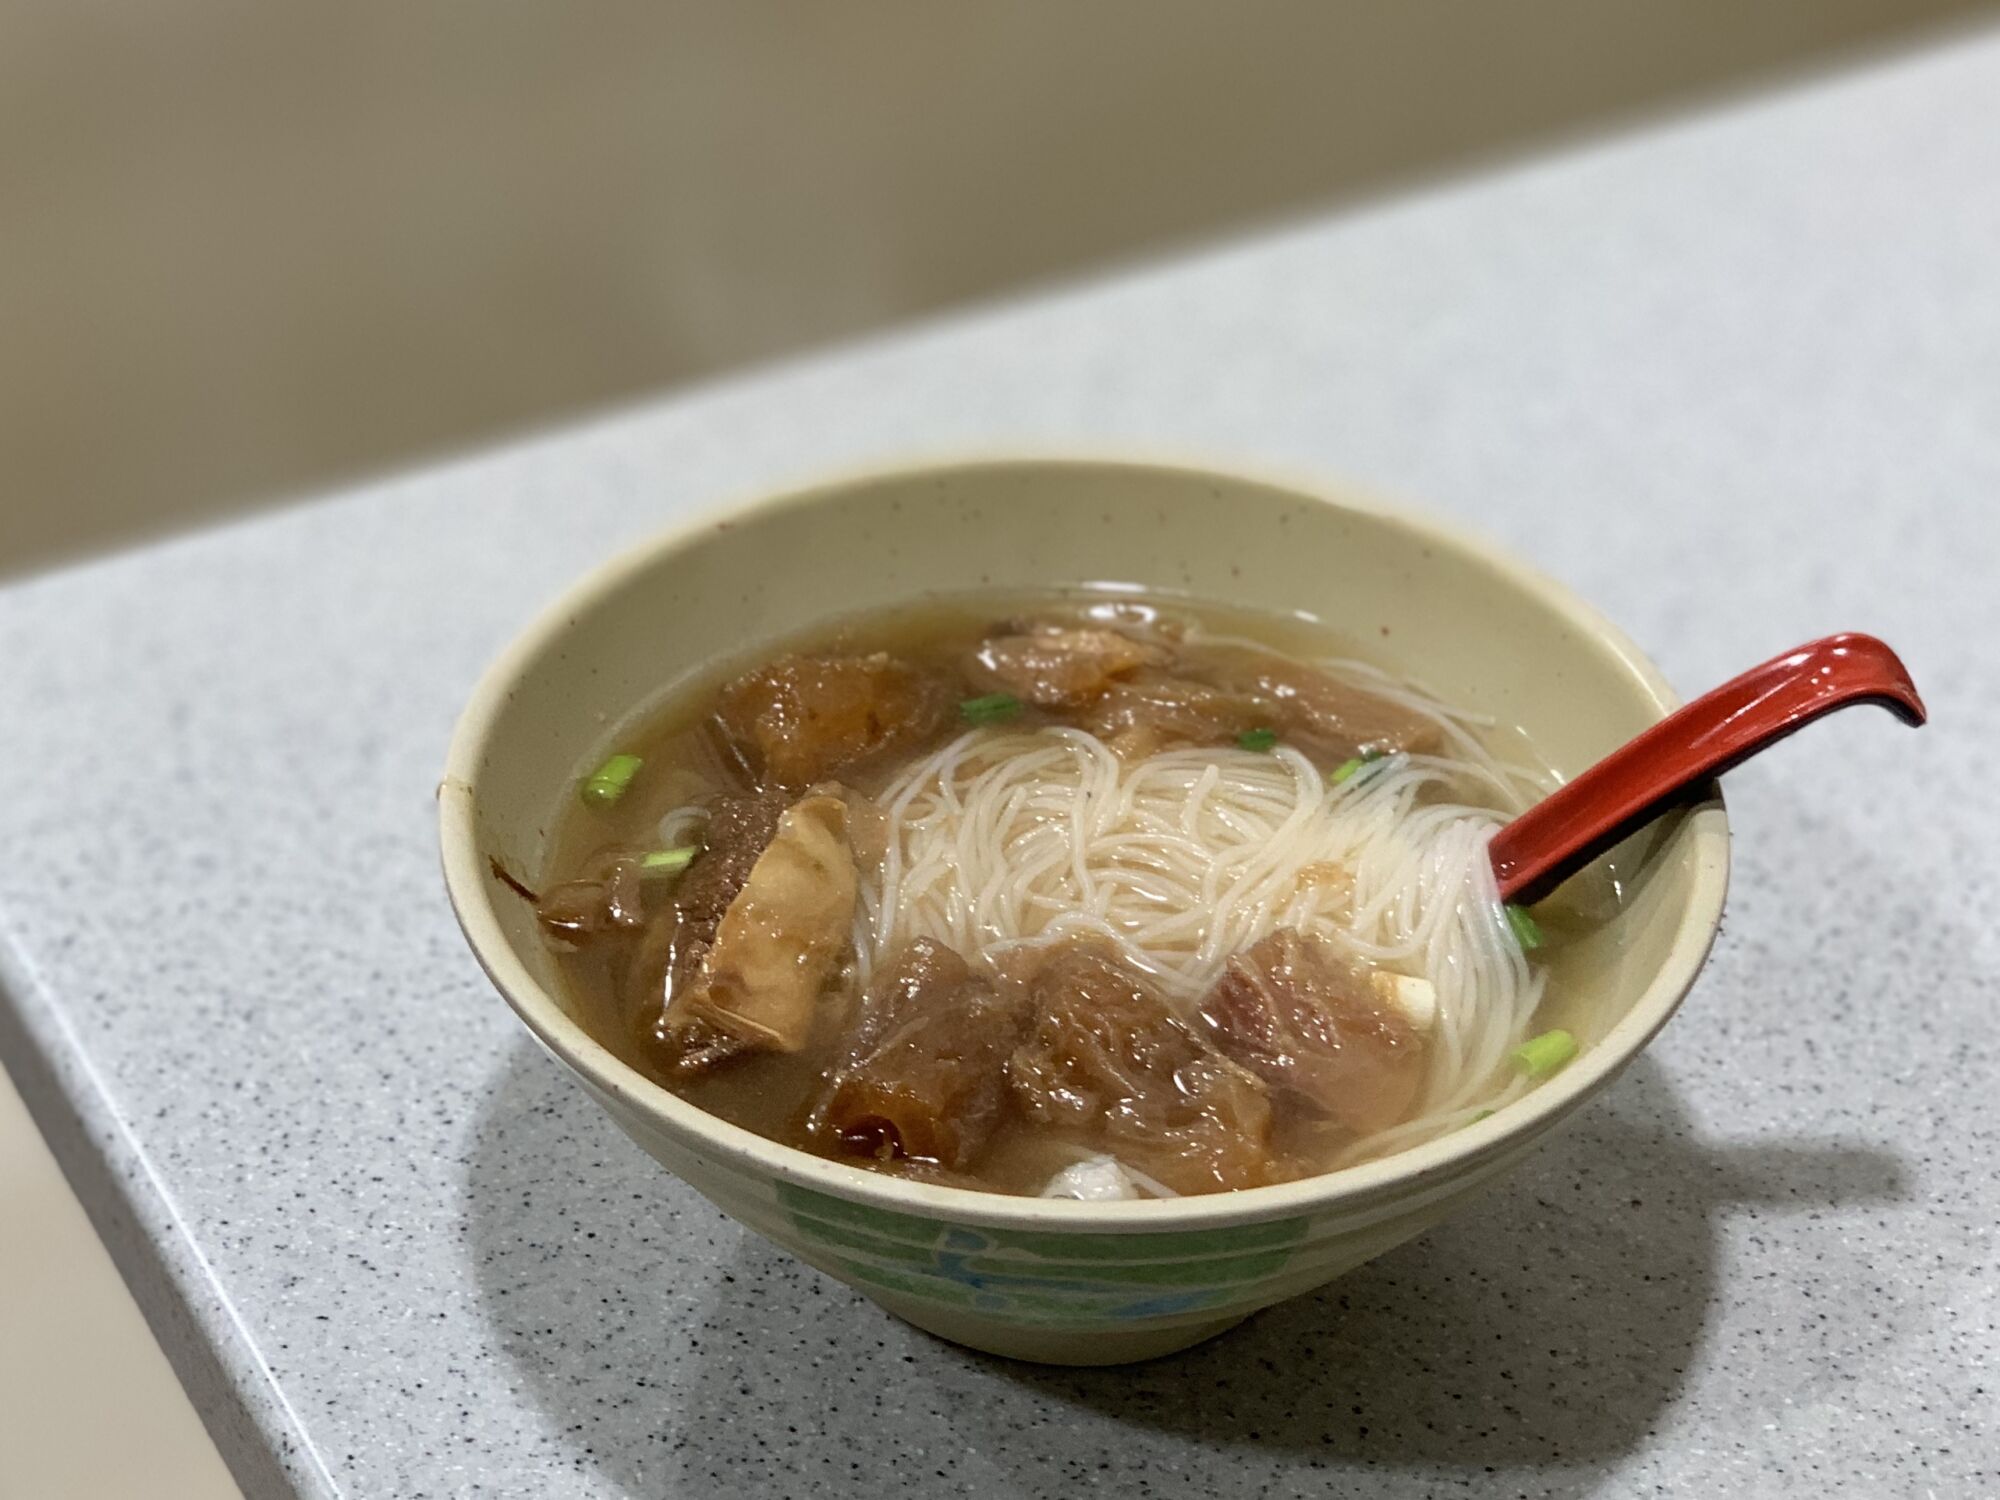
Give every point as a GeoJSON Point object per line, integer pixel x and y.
{"type": "Point", "coordinates": [1077, 895]}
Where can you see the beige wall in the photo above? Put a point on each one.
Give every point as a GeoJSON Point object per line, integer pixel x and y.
{"type": "Point", "coordinates": [248, 249]}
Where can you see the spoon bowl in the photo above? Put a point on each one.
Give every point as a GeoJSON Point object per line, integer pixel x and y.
{"type": "Point", "coordinates": [1682, 753]}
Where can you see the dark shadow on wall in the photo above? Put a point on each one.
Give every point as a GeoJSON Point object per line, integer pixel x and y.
{"type": "Point", "coordinates": [1541, 1336]}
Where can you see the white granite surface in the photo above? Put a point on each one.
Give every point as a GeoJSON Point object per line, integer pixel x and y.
{"type": "Point", "coordinates": [1737, 380]}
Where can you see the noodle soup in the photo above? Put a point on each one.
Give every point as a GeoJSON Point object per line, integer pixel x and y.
{"type": "Point", "coordinates": [1074, 895]}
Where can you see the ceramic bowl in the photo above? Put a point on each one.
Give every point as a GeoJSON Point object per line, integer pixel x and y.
{"type": "Point", "coordinates": [1059, 1281]}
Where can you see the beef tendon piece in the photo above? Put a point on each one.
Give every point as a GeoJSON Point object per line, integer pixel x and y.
{"type": "Point", "coordinates": [924, 1075]}
{"type": "Point", "coordinates": [756, 987]}
{"type": "Point", "coordinates": [611, 900]}
{"type": "Point", "coordinates": [1058, 666]}
{"type": "Point", "coordinates": [803, 719]}
{"type": "Point", "coordinates": [1107, 1062]}
{"type": "Point", "coordinates": [867, 826]}
{"type": "Point", "coordinates": [1312, 706]}
{"type": "Point", "coordinates": [1155, 710]}
{"type": "Point", "coordinates": [1323, 1031]}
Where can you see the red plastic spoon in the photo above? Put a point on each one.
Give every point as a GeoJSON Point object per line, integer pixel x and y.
{"type": "Point", "coordinates": [1637, 782]}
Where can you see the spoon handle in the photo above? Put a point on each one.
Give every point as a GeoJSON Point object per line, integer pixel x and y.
{"type": "Point", "coordinates": [1640, 780]}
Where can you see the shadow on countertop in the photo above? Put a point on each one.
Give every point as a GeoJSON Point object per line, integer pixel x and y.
{"type": "Point", "coordinates": [1539, 1337]}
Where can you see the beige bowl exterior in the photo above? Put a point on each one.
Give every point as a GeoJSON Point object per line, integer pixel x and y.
{"type": "Point", "coordinates": [1066, 1282]}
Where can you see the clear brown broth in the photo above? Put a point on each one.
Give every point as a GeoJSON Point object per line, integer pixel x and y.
{"type": "Point", "coordinates": [771, 1093]}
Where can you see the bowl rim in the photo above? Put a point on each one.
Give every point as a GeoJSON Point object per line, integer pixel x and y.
{"type": "Point", "coordinates": [1467, 1150]}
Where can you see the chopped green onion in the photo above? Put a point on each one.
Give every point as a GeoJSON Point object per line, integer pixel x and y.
{"type": "Point", "coordinates": [1347, 768]}
{"type": "Point", "coordinates": [610, 781]}
{"type": "Point", "coordinates": [1542, 1055]}
{"type": "Point", "coordinates": [668, 861]}
{"type": "Point", "coordinates": [1258, 739]}
{"type": "Point", "coordinates": [994, 708]}
{"type": "Point", "coordinates": [1484, 1114]}
{"type": "Point", "coordinates": [1527, 931]}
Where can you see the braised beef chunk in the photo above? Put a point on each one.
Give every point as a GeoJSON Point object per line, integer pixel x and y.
{"type": "Point", "coordinates": [1107, 1062]}
{"type": "Point", "coordinates": [802, 719]}
{"type": "Point", "coordinates": [738, 831]}
{"type": "Point", "coordinates": [924, 1076]}
{"type": "Point", "coordinates": [670, 956]}
{"type": "Point", "coordinates": [1297, 1013]}
{"type": "Point", "coordinates": [1057, 666]}
{"type": "Point", "coordinates": [1155, 710]}
{"type": "Point", "coordinates": [757, 986]}
{"type": "Point", "coordinates": [1306, 704]}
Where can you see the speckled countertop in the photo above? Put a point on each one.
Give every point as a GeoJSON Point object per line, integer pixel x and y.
{"type": "Point", "coordinates": [1737, 380]}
